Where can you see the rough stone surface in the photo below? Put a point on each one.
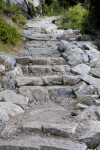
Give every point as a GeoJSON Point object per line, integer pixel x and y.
{"type": "Point", "coordinates": [92, 135]}
{"type": "Point", "coordinates": [70, 80]}
{"type": "Point", "coordinates": [11, 109]}
{"type": "Point", "coordinates": [95, 72]}
{"type": "Point", "coordinates": [10, 96]}
{"type": "Point", "coordinates": [86, 99]}
{"type": "Point", "coordinates": [64, 46]}
{"type": "Point", "coordinates": [24, 81]}
{"type": "Point", "coordinates": [56, 80]}
{"type": "Point", "coordinates": [81, 69]}
{"type": "Point", "coordinates": [91, 80]}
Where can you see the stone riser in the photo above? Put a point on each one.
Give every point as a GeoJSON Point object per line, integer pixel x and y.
{"type": "Point", "coordinates": [38, 93]}
{"type": "Point", "coordinates": [40, 61]}
{"type": "Point", "coordinates": [41, 143]}
{"type": "Point", "coordinates": [47, 80]}
{"type": "Point", "coordinates": [41, 70]}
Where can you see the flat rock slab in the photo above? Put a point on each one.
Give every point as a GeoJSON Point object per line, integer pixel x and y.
{"type": "Point", "coordinates": [71, 80]}
{"type": "Point", "coordinates": [52, 80]}
{"type": "Point", "coordinates": [92, 134]}
{"type": "Point", "coordinates": [86, 99]}
{"type": "Point", "coordinates": [81, 69]}
{"type": "Point", "coordinates": [31, 81]}
{"type": "Point", "coordinates": [8, 110]}
{"type": "Point", "coordinates": [39, 93]}
{"type": "Point", "coordinates": [24, 60]}
{"type": "Point", "coordinates": [91, 80]}
{"type": "Point", "coordinates": [10, 96]}
{"type": "Point", "coordinates": [40, 143]}
{"type": "Point", "coordinates": [41, 70]}
{"type": "Point", "coordinates": [95, 72]}
{"type": "Point", "coordinates": [63, 130]}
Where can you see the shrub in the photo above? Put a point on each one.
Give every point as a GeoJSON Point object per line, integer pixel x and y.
{"type": "Point", "coordinates": [8, 33]}
{"type": "Point", "coordinates": [74, 17]}
{"type": "Point", "coordinates": [11, 9]}
{"type": "Point", "coordinates": [53, 9]}
{"type": "Point", "coordinates": [19, 18]}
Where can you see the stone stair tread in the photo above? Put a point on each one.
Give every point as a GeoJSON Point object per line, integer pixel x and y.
{"type": "Point", "coordinates": [63, 130]}
{"type": "Point", "coordinates": [35, 142]}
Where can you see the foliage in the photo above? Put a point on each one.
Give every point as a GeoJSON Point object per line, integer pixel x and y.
{"type": "Point", "coordinates": [19, 18]}
{"type": "Point", "coordinates": [53, 8]}
{"type": "Point", "coordinates": [8, 33]}
{"type": "Point", "coordinates": [74, 17]}
{"type": "Point", "coordinates": [11, 9]}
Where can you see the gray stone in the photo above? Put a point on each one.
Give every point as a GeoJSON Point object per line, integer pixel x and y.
{"type": "Point", "coordinates": [41, 143]}
{"type": "Point", "coordinates": [74, 60]}
{"type": "Point", "coordinates": [91, 80]}
{"type": "Point", "coordinates": [92, 134]}
{"type": "Point", "coordinates": [24, 81]}
{"type": "Point", "coordinates": [17, 71]}
{"type": "Point", "coordinates": [81, 106]}
{"type": "Point", "coordinates": [24, 60]}
{"type": "Point", "coordinates": [90, 113]}
{"type": "Point", "coordinates": [95, 72]}
{"type": "Point", "coordinates": [32, 127]}
{"type": "Point", "coordinates": [81, 69]}
{"type": "Point", "coordinates": [2, 69]}
{"type": "Point", "coordinates": [40, 70]}
{"type": "Point", "coordinates": [64, 46]}
{"type": "Point", "coordinates": [70, 80]}
{"type": "Point", "coordinates": [52, 80]}
{"type": "Point", "coordinates": [86, 99]}
{"type": "Point", "coordinates": [58, 61]}
{"type": "Point", "coordinates": [3, 116]}
{"type": "Point", "coordinates": [35, 93]}
{"type": "Point", "coordinates": [83, 88]}
{"type": "Point", "coordinates": [8, 83]}
{"type": "Point", "coordinates": [60, 129]}
{"type": "Point", "coordinates": [11, 109]}
{"type": "Point", "coordinates": [58, 93]}
{"type": "Point", "coordinates": [39, 61]}
{"type": "Point", "coordinates": [10, 96]}
{"type": "Point", "coordinates": [8, 131]}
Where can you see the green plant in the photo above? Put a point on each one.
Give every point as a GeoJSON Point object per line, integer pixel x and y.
{"type": "Point", "coordinates": [11, 9]}
{"type": "Point", "coordinates": [19, 18]}
{"type": "Point", "coordinates": [74, 17]}
{"type": "Point", "coordinates": [8, 33]}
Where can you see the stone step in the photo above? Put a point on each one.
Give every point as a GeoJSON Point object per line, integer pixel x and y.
{"type": "Point", "coordinates": [40, 61]}
{"type": "Point", "coordinates": [39, 70]}
{"type": "Point", "coordinates": [37, 81]}
{"type": "Point", "coordinates": [61, 130]}
{"type": "Point", "coordinates": [39, 93]}
{"type": "Point", "coordinates": [37, 142]}
{"type": "Point", "coordinates": [47, 80]}
{"type": "Point", "coordinates": [48, 61]}
{"type": "Point", "coordinates": [36, 52]}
